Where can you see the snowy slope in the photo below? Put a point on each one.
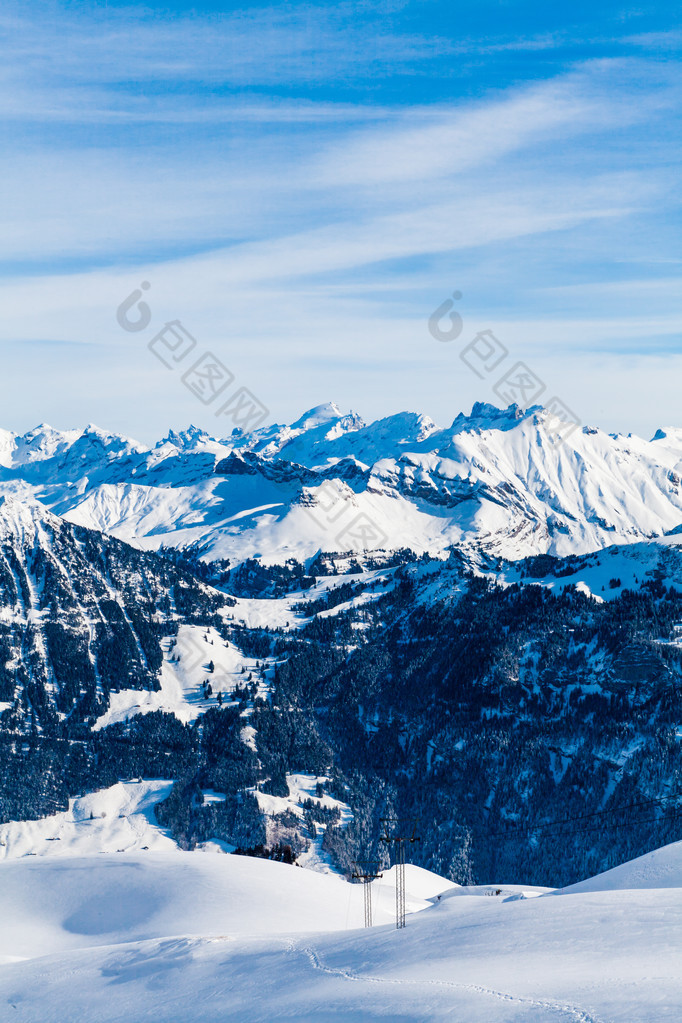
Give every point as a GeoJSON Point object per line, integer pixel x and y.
{"type": "Point", "coordinates": [59, 904]}
{"type": "Point", "coordinates": [158, 934]}
{"type": "Point", "coordinates": [62, 888]}
{"type": "Point", "coordinates": [600, 957]}
{"type": "Point", "coordinates": [330, 481]}
{"type": "Point", "coordinates": [605, 573]}
{"type": "Point", "coordinates": [181, 681]}
{"type": "Point", "coordinates": [117, 819]}
{"type": "Point", "coordinates": [661, 868]}
{"type": "Point", "coordinates": [74, 902]}
{"type": "Point", "coordinates": [75, 614]}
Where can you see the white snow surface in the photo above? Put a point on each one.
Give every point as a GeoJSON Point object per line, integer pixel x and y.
{"type": "Point", "coordinates": [152, 933]}
{"type": "Point", "coordinates": [182, 681]}
{"type": "Point", "coordinates": [57, 904]}
{"type": "Point", "coordinates": [206, 939]}
{"type": "Point", "coordinates": [494, 476]}
{"type": "Point", "coordinates": [661, 868]}
{"type": "Point", "coordinates": [104, 871]}
{"type": "Point", "coordinates": [117, 819]}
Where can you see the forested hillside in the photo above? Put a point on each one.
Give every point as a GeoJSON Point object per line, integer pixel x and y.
{"type": "Point", "coordinates": [432, 690]}
{"type": "Point", "coordinates": [491, 714]}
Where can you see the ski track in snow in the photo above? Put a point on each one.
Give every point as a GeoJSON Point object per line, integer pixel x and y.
{"type": "Point", "coordinates": [177, 936]}
{"type": "Point", "coordinates": [564, 1009]}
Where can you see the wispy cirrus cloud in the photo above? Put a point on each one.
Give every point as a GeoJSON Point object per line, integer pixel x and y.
{"type": "Point", "coordinates": [669, 40]}
{"type": "Point", "coordinates": [303, 182]}
{"type": "Point", "coordinates": [245, 182]}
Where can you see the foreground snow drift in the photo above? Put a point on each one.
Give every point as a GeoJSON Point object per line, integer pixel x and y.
{"type": "Point", "coordinates": [607, 957]}
{"type": "Point", "coordinates": [170, 936]}
{"type": "Point", "coordinates": [51, 904]}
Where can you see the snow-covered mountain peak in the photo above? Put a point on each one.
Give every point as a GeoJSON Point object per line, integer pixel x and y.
{"type": "Point", "coordinates": [112, 442]}
{"type": "Point", "coordinates": [46, 444]}
{"type": "Point", "coordinates": [38, 444]}
{"type": "Point", "coordinates": [404, 427]}
{"type": "Point", "coordinates": [670, 437]}
{"type": "Point", "coordinates": [426, 427]}
{"type": "Point", "coordinates": [183, 445]}
{"type": "Point", "coordinates": [346, 424]}
{"type": "Point", "coordinates": [20, 518]}
{"type": "Point", "coordinates": [7, 446]}
{"type": "Point", "coordinates": [317, 416]}
{"type": "Point", "coordinates": [485, 416]}
{"type": "Point", "coordinates": [186, 440]}
{"type": "Point", "coordinates": [299, 441]}
{"type": "Point", "coordinates": [496, 476]}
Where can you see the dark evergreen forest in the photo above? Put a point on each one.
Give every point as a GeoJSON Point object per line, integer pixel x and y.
{"type": "Point", "coordinates": [504, 720]}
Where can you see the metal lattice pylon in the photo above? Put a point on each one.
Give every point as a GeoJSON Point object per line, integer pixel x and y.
{"type": "Point", "coordinates": [366, 874]}
{"type": "Point", "coordinates": [396, 831]}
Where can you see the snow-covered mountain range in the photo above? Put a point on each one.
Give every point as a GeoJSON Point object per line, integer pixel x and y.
{"type": "Point", "coordinates": [541, 631]}
{"type": "Point", "coordinates": [331, 482]}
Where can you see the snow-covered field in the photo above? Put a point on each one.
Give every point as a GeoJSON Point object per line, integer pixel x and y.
{"type": "Point", "coordinates": [157, 934]}
{"type": "Point", "coordinates": [172, 937]}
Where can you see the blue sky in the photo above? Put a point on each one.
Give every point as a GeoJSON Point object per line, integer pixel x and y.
{"type": "Point", "coordinates": [303, 185]}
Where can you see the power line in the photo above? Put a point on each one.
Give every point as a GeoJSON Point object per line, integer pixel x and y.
{"type": "Point", "coordinates": [625, 824]}
{"type": "Point", "coordinates": [510, 833]}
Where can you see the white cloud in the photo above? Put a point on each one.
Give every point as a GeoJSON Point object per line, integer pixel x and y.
{"type": "Point", "coordinates": [446, 142]}
{"type": "Point", "coordinates": [324, 231]}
